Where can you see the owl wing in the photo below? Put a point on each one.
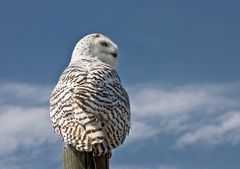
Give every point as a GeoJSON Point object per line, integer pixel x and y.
{"type": "Point", "coordinates": [90, 108]}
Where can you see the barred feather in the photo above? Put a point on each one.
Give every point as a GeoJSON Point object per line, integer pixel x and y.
{"type": "Point", "coordinates": [89, 108]}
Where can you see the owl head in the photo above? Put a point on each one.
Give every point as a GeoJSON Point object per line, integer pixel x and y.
{"type": "Point", "coordinates": [96, 46]}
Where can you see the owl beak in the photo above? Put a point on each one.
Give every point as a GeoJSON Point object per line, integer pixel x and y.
{"type": "Point", "coordinates": [114, 53]}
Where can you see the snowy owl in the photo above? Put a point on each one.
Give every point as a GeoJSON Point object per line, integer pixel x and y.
{"type": "Point", "coordinates": [89, 108]}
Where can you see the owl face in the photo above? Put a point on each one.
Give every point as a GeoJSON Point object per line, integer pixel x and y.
{"type": "Point", "coordinates": [104, 49]}
{"type": "Point", "coordinates": [96, 46]}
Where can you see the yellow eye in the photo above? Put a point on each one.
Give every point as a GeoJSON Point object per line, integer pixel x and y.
{"type": "Point", "coordinates": [105, 44]}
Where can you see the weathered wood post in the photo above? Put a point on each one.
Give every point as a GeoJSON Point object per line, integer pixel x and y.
{"type": "Point", "coordinates": [73, 159]}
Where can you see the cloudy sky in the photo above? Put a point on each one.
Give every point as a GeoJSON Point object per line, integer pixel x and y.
{"type": "Point", "coordinates": [179, 61]}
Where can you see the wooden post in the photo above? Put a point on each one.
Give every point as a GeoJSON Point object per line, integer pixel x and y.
{"type": "Point", "coordinates": [73, 159]}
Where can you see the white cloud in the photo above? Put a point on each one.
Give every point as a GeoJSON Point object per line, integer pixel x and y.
{"type": "Point", "coordinates": [189, 111]}
{"type": "Point", "coordinates": [225, 129]}
{"type": "Point", "coordinates": [163, 101]}
{"type": "Point", "coordinates": [23, 127]}
{"type": "Point", "coordinates": [21, 92]}
{"type": "Point", "coordinates": [24, 118]}
{"type": "Point", "coordinates": [137, 130]}
{"type": "Point", "coordinates": [195, 114]}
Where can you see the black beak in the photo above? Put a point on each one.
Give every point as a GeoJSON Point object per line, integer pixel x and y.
{"type": "Point", "coordinates": [114, 53]}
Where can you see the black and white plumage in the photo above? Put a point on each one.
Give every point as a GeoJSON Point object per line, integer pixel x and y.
{"type": "Point", "coordinates": [89, 108]}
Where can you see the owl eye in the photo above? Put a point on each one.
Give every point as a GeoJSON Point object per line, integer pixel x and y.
{"type": "Point", "coordinates": [104, 44]}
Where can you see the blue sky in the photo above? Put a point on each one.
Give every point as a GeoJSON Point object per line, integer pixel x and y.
{"type": "Point", "coordinates": [179, 61]}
